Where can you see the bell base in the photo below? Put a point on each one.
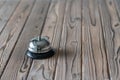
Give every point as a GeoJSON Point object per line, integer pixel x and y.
{"type": "Point", "coordinates": [40, 55]}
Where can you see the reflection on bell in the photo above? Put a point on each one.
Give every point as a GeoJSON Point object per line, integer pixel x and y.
{"type": "Point", "coordinates": [39, 48]}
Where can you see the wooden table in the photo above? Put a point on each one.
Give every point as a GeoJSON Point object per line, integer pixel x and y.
{"type": "Point", "coordinates": [85, 34]}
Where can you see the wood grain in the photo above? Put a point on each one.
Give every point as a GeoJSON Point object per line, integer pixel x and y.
{"type": "Point", "coordinates": [111, 37]}
{"type": "Point", "coordinates": [84, 33]}
{"type": "Point", "coordinates": [93, 53]}
{"type": "Point", "coordinates": [69, 61]}
{"type": "Point", "coordinates": [116, 39]}
{"type": "Point", "coordinates": [117, 7]}
{"type": "Point", "coordinates": [12, 31]}
{"type": "Point", "coordinates": [7, 8]}
{"type": "Point", "coordinates": [18, 62]}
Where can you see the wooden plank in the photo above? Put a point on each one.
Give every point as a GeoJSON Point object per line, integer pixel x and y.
{"type": "Point", "coordinates": [107, 34]}
{"type": "Point", "coordinates": [94, 61]}
{"type": "Point", "coordinates": [19, 65]}
{"type": "Point", "coordinates": [7, 8]}
{"type": "Point", "coordinates": [69, 59]}
{"type": "Point", "coordinates": [111, 30]}
{"type": "Point", "coordinates": [116, 39]}
{"type": "Point", "coordinates": [85, 34]}
{"type": "Point", "coordinates": [46, 69]}
{"type": "Point", "coordinates": [11, 33]}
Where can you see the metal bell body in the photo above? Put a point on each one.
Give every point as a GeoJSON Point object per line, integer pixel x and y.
{"type": "Point", "coordinates": [40, 48]}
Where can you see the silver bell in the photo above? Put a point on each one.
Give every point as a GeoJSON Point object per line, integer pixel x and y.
{"type": "Point", "coordinates": [39, 48]}
{"type": "Point", "coordinates": [39, 45]}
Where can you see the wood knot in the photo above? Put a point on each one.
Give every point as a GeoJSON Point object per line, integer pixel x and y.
{"type": "Point", "coordinates": [110, 2]}
{"type": "Point", "coordinates": [117, 24]}
{"type": "Point", "coordinates": [76, 75]}
{"type": "Point", "coordinates": [36, 26]}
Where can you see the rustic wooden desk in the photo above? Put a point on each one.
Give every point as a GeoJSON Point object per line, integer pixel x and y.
{"type": "Point", "coordinates": [85, 34]}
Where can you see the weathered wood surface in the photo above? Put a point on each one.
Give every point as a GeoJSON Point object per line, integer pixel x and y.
{"type": "Point", "coordinates": [12, 31]}
{"type": "Point", "coordinates": [84, 33]}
